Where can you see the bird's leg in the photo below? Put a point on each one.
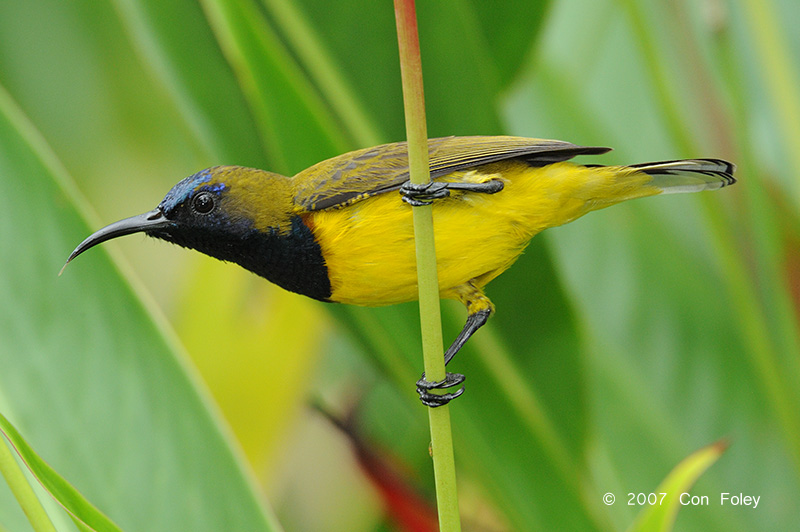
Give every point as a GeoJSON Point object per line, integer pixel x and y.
{"type": "Point", "coordinates": [479, 308]}
{"type": "Point", "coordinates": [424, 194]}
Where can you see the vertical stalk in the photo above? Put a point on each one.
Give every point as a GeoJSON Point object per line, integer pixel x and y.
{"type": "Point", "coordinates": [430, 316]}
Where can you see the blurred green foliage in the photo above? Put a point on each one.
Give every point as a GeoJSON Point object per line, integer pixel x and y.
{"type": "Point", "coordinates": [622, 342]}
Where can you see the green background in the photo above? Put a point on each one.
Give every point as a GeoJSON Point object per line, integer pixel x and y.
{"type": "Point", "coordinates": [622, 342]}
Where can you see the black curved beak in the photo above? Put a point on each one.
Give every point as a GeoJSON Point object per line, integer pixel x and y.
{"type": "Point", "coordinates": [147, 222]}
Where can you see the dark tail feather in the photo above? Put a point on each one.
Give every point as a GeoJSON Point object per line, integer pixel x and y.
{"type": "Point", "coordinates": [689, 175]}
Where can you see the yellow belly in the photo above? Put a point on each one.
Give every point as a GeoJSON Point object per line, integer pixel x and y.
{"type": "Point", "coordinates": [369, 246]}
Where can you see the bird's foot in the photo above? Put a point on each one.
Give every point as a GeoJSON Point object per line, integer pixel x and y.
{"type": "Point", "coordinates": [433, 400]}
{"type": "Point", "coordinates": [423, 194]}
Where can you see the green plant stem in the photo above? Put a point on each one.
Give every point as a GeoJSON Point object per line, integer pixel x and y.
{"type": "Point", "coordinates": [23, 491]}
{"type": "Point", "coordinates": [430, 315]}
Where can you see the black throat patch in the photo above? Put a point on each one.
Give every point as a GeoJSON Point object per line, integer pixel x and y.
{"type": "Point", "coordinates": [292, 260]}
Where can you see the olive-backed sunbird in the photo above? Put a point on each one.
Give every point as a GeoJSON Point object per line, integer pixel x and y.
{"type": "Point", "coordinates": [339, 231]}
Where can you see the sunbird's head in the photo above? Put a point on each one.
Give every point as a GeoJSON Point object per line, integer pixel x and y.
{"type": "Point", "coordinates": [213, 211]}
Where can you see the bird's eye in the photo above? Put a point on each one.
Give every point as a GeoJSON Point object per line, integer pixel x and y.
{"type": "Point", "coordinates": [203, 203]}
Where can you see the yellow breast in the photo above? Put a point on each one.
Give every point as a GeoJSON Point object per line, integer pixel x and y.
{"type": "Point", "coordinates": [369, 246]}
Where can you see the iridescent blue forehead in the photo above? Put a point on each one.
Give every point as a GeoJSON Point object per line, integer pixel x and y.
{"type": "Point", "coordinates": [187, 186]}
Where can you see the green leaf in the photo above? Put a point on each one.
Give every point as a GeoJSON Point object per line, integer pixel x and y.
{"type": "Point", "coordinates": [684, 302]}
{"type": "Point", "coordinates": [285, 106]}
{"type": "Point", "coordinates": [22, 490]}
{"type": "Point", "coordinates": [324, 71]}
{"type": "Point", "coordinates": [661, 517]}
{"type": "Point", "coordinates": [92, 376]}
{"type": "Point", "coordinates": [179, 48]}
{"type": "Point", "coordinates": [62, 491]}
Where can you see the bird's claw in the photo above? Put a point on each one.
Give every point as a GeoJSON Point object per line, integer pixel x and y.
{"type": "Point", "coordinates": [433, 400]}
{"type": "Point", "coordinates": [423, 194]}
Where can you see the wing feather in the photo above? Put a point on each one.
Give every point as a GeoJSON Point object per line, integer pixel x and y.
{"type": "Point", "coordinates": [357, 175]}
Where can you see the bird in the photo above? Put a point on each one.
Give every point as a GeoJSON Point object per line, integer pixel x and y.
{"type": "Point", "coordinates": [341, 230]}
